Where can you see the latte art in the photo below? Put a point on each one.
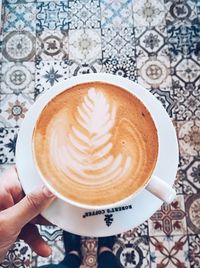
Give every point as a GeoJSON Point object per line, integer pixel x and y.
{"type": "Point", "coordinates": [95, 143]}
{"type": "Point", "coordinates": [86, 157]}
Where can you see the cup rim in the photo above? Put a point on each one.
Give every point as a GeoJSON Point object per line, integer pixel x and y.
{"type": "Point", "coordinates": [122, 82]}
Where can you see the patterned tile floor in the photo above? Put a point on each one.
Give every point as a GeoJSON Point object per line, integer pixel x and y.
{"type": "Point", "coordinates": [153, 42]}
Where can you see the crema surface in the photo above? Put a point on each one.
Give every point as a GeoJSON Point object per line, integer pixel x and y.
{"type": "Point", "coordinates": [95, 143]}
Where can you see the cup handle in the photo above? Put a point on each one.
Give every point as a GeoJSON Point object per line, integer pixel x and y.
{"type": "Point", "coordinates": [161, 189]}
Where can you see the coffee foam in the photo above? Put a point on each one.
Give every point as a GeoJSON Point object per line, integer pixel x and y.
{"type": "Point", "coordinates": [85, 155]}
{"type": "Point", "coordinates": [91, 143]}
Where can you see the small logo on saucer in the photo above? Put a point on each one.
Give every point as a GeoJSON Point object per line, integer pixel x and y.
{"type": "Point", "coordinates": [108, 219]}
{"type": "Point", "coordinates": [108, 213]}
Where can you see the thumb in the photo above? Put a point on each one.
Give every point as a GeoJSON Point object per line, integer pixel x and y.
{"type": "Point", "coordinates": [30, 206]}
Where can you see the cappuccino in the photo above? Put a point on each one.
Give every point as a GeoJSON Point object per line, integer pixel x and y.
{"type": "Point", "coordinates": [95, 144]}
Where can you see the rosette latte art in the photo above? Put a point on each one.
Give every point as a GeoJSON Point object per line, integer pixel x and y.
{"type": "Point", "coordinates": [85, 155]}
{"type": "Point", "coordinates": [95, 143]}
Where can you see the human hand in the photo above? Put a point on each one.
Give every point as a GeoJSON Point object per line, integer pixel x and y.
{"type": "Point", "coordinates": [19, 214]}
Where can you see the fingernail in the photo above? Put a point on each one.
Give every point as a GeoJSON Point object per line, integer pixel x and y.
{"type": "Point", "coordinates": [49, 251]}
{"type": "Point", "coordinates": [47, 192]}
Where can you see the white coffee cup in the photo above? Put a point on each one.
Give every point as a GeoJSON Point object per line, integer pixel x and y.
{"type": "Point", "coordinates": [157, 186]}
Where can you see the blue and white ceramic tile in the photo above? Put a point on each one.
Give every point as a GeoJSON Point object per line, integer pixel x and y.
{"type": "Point", "coordinates": [84, 14]}
{"type": "Point", "coordinates": [166, 97]}
{"type": "Point", "coordinates": [8, 138]}
{"type": "Point", "coordinates": [188, 174]}
{"type": "Point", "coordinates": [85, 44]}
{"type": "Point", "coordinates": [118, 42]}
{"type": "Point", "coordinates": [1, 41]}
{"type": "Point", "coordinates": [20, 17]}
{"type": "Point", "coordinates": [17, 77]}
{"type": "Point", "coordinates": [77, 67]}
{"type": "Point", "coordinates": [134, 252]}
{"type": "Point", "coordinates": [123, 66]}
{"type": "Point", "coordinates": [180, 12]}
{"type": "Point", "coordinates": [151, 41]}
{"type": "Point", "coordinates": [50, 233]}
{"type": "Point", "coordinates": [18, 46]}
{"type": "Point", "coordinates": [187, 102]}
{"type": "Point", "coordinates": [13, 108]}
{"type": "Point", "coordinates": [194, 249]}
{"type": "Point", "coordinates": [116, 14]}
{"type": "Point", "coordinates": [186, 73]}
{"type": "Point", "coordinates": [198, 8]}
{"type": "Point", "coordinates": [52, 15]}
{"type": "Point", "coordinates": [183, 42]}
{"type": "Point", "coordinates": [154, 72]}
{"type": "Point", "coordinates": [47, 1]}
{"type": "Point", "coordinates": [48, 73]}
{"type": "Point", "coordinates": [148, 13]}
{"type": "Point", "coordinates": [19, 1]}
{"type": "Point", "coordinates": [52, 45]}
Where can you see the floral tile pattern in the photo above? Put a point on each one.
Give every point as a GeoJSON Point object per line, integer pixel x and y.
{"type": "Point", "coordinates": [77, 67]}
{"type": "Point", "coordinates": [154, 71]}
{"type": "Point", "coordinates": [183, 42]}
{"type": "Point", "coordinates": [180, 12]}
{"type": "Point", "coordinates": [134, 252]}
{"type": "Point", "coordinates": [18, 256]}
{"type": "Point", "coordinates": [52, 15]}
{"type": "Point", "coordinates": [148, 13]}
{"type": "Point", "coordinates": [187, 71]}
{"type": "Point", "coordinates": [192, 206]}
{"type": "Point", "coordinates": [52, 45]}
{"type": "Point", "coordinates": [20, 17]}
{"type": "Point", "coordinates": [186, 101]}
{"type": "Point", "coordinates": [18, 77]}
{"type": "Point", "coordinates": [169, 219]}
{"type": "Point", "coordinates": [8, 138]}
{"type": "Point", "coordinates": [189, 141]}
{"type": "Point", "coordinates": [166, 97]}
{"type": "Point", "coordinates": [188, 174]}
{"type": "Point", "coordinates": [153, 42]}
{"type": "Point", "coordinates": [84, 14]}
{"type": "Point", "coordinates": [85, 44]}
{"type": "Point", "coordinates": [18, 46]}
{"type": "Point", "coordinates": [49, 73]}
{"type": "Point", "coordinates": [194, 249]}
{"type": "Point", "coordinates": [116, 13]}
{"type": "Point", "coordinates": [125, 67]}
{"type": "Point", "coordinates": [117, 42]}
{"type": "Point", "coordinates": [14, 107]}
{"type": "Point", "coordinates": [169, 252]}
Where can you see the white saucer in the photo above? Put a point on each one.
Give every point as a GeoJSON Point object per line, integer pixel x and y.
{"type": "Point", "coordinates": [104, 222]}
